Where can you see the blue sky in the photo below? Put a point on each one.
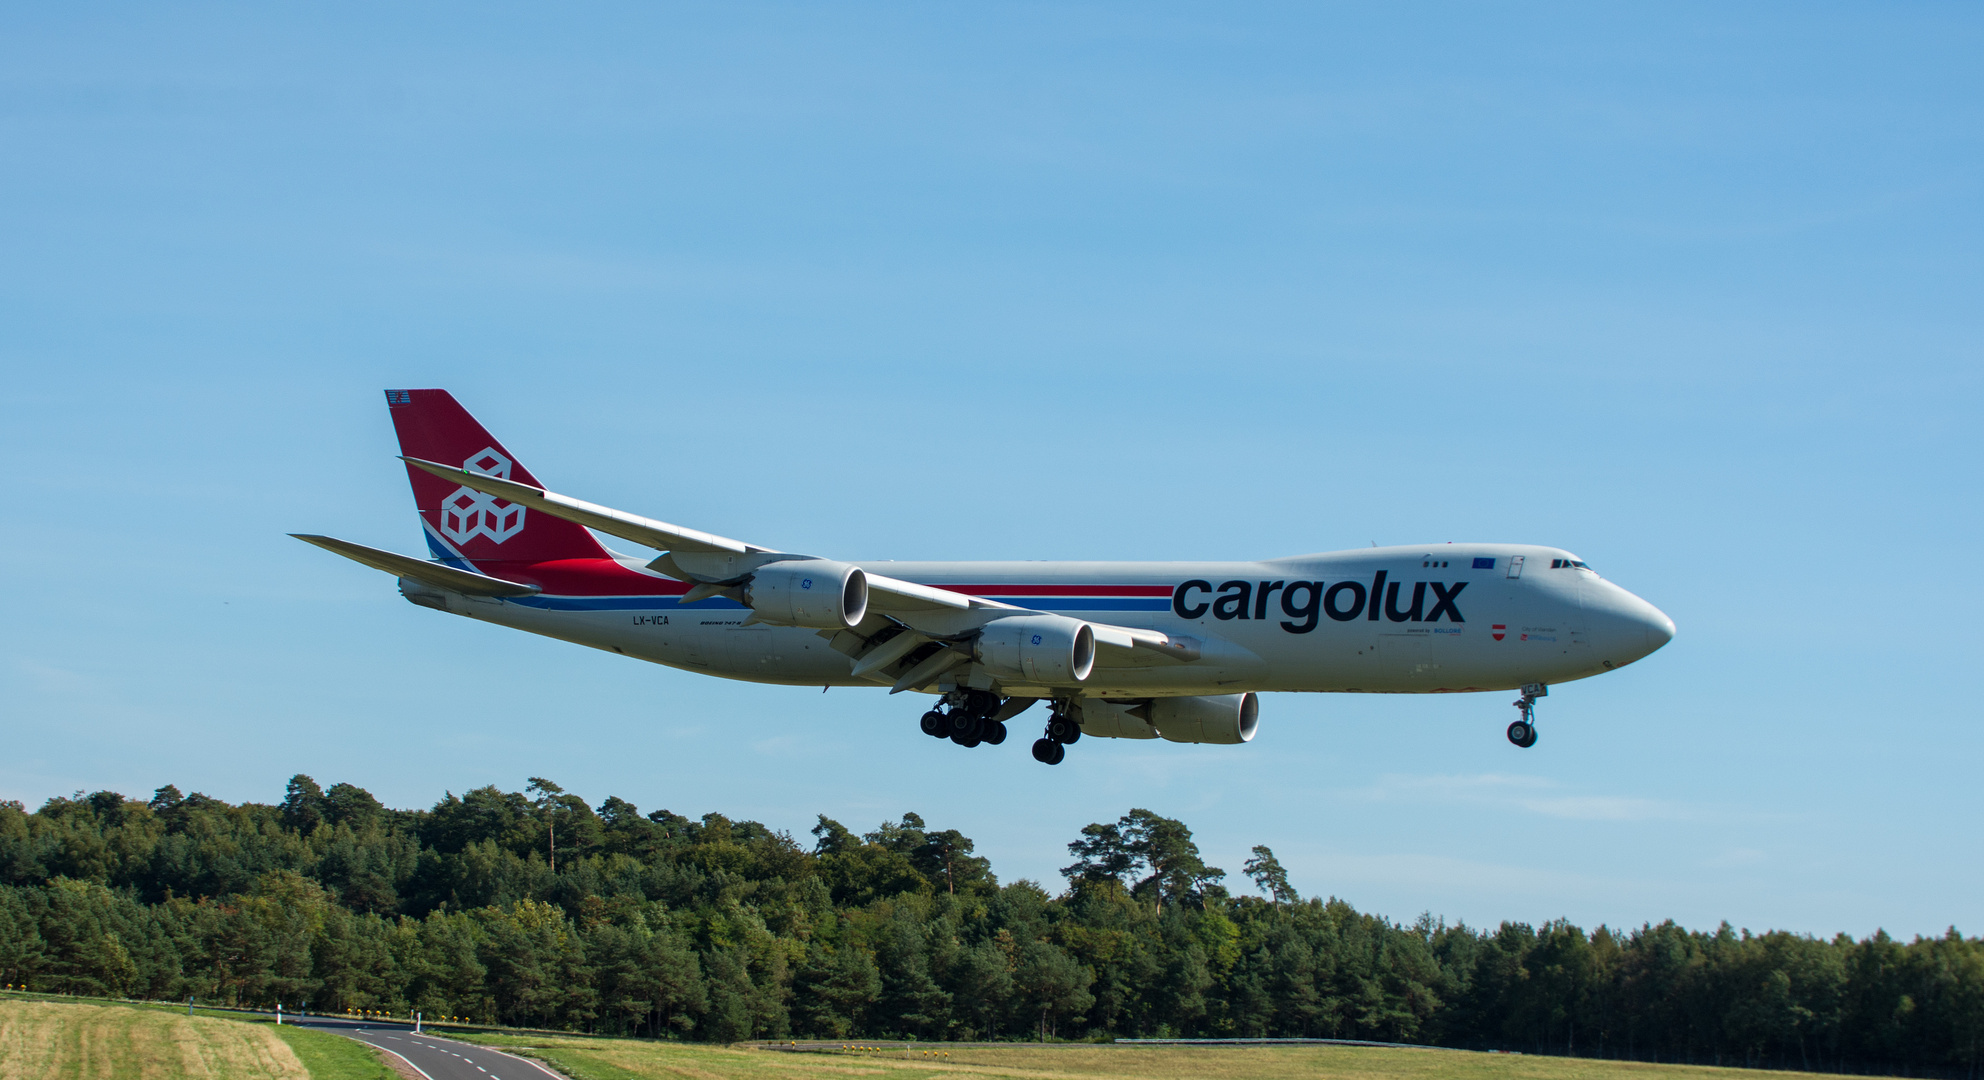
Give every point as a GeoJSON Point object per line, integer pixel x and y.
{"type": "Point", "coordinates": [1693, 292]}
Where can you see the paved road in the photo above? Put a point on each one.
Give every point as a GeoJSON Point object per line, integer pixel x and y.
{"type": "Point", "coordinates": [437, 1059]}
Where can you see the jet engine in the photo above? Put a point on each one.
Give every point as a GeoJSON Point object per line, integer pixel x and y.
{"type": "Point", "coordinates": [1046, 649]}
{"type": "Point", "coordinates": [818, 593]}
{"type": "Point", "coordinates": [1226, 718]}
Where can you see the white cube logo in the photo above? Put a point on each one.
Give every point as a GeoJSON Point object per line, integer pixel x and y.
{"type": "Point", "coordinates": [469, 513]}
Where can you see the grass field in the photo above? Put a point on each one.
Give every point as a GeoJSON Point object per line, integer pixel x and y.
{"type": "Point", "coordinates": [332, 1057]}
{"type": "Point", "coordinates": [45, 1040]}
{"type": "Point", "coordinates": [622, 1059]}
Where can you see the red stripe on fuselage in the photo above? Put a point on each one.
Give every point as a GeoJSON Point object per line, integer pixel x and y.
{"type": "Point", "coordinates": [607, 577]}
{"type": "Point", "coordinates": [1060, 590]}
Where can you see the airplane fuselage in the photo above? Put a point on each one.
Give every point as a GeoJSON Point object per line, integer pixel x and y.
{"type": "Point", "coordinates": [1437, 619]}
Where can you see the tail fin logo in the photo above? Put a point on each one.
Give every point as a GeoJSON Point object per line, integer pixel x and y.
{"type": "Point", "coordinates": [469, 513]}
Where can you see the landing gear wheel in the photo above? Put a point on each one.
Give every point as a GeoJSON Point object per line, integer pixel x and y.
{"type": "Point", "coordinates": [936, 724]}
{"type": "Point", "coordinates": [1063, 730]}
{"type": "Point", "coordinates": [1048, 752]}
{"type": "Point", "coordinates": [961, 723]}
{"type": "Point", "coordinates": [967, 729]}
{"type": "Point", "coordinates": [994, 734]}
{"type": "Point", "coordinates": [1523, 731]}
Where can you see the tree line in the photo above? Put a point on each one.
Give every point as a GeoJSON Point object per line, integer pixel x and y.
{"type": "Point", "coordinates": [536, 909]}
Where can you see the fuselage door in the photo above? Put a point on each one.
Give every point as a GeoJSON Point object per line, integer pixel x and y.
{"type": "Point", "coordinates": [1515, 566]}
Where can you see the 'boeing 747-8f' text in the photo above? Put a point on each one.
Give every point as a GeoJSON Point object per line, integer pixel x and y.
{"type": "Point", "coordinates": [1143, 650]}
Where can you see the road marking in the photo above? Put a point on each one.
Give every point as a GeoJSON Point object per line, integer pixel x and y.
{"type": "Point", "coordinates": [437, 1042]}
{"type": "Point", "coordinates": [402, 1057]}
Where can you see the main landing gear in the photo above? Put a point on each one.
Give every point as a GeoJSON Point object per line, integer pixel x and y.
{"type": "Point", "coordinates": [968, 718]}
{"type": "Point", "coordinates": [1062, 730]}
{"type": "Point", "coordinates": [1523, 731]}
{"type": "Point", "coordinates": [974, 717]}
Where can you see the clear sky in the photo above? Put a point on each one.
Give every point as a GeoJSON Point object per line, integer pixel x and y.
{"type": "Point", "coordinates": [1693, 291]}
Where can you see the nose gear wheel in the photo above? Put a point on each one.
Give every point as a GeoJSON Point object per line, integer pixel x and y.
{"type": "Point", "coordinates": [1523, 731]}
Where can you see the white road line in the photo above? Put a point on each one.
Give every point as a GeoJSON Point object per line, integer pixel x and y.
{"type": "Point", "coordinates": [532, 1062]}
{"type": "Point", "coordinates": [402, 1057]}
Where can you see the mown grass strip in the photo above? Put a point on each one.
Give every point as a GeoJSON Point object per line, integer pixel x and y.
{"type": "Point", "coordinates": [64, 1041]}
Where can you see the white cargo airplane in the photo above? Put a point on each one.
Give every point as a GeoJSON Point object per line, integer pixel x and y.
{"type": "Point", "coordinates": [1177, 650]}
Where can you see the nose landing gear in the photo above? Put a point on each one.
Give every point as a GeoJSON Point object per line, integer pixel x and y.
{"type": "Point", "coordinates": [1523, 731]}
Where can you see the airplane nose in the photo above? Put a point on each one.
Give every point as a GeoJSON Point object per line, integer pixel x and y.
{"type": "Point", "coordinates": [1627, 627]}
{"type": "Point", "coordinates": [1659, 628]}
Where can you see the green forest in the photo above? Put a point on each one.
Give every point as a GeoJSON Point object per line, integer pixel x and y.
{"type": "Point", "coordinates": [536, 909]}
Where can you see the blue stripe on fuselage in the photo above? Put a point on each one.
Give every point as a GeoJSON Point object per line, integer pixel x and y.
{"type": "Point", "coordinates": [623, 603]}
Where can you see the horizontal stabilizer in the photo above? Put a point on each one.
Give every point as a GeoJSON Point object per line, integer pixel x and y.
{"type": "Point", "coordinates": [465, 582]}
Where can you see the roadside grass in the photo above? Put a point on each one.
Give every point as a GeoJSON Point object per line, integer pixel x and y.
{"type": "Point", "coordinates": [332, 1057]}
{"type": "Point", "coordinates": [46, 1040]}
{"type": "Point", "coordinates": [588, 1058]}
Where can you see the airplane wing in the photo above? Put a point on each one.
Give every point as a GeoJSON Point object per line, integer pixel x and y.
{"type": "Point", "coordinates": [885, 593]}
{"type": "Point", "coordinates": [654, 534]}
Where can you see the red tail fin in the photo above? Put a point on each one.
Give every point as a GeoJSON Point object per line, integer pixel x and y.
{"type": "Point", "coordinates": [462, 522]}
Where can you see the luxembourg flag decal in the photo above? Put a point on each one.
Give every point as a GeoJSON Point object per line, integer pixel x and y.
{"type": "Point", "coordinates": [1498, 631]}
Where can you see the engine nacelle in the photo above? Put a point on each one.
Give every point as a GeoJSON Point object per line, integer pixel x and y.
{"type": "Point", "coordinates": [1226, 718]}
{"type": "Point", "coordinates": [1114, 720]}
{"type": "Point", "coordinates": [809, 592]}
{"type": "Point", "coordinates": [1052, 650]}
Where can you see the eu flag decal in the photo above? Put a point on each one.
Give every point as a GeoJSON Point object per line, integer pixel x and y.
{"type": "Point", "coordinates": [1484, 564]}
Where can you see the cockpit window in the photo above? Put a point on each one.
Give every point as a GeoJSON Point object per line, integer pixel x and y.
{"type": "Point", "coordinates": [1565, 564]}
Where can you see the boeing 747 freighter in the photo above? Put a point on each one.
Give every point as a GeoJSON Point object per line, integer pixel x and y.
{"type": "Point", "coordinates": [1127, 650]}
